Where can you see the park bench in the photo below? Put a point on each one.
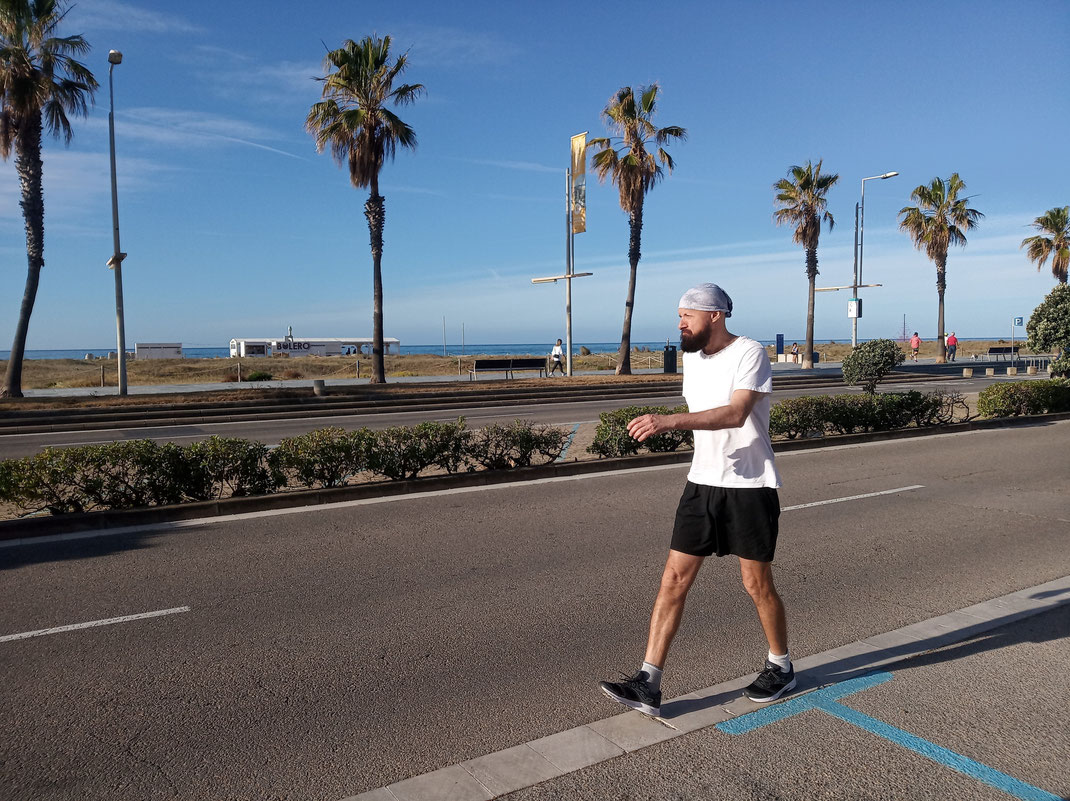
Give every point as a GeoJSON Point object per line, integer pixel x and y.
{"type": "Point", "coordinates": [509, 366]}
{"type": "Point", "coordinates": [1003, 351]}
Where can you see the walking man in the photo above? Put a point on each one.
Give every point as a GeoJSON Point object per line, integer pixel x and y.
{"type": "Point", "coordinates": [556, 356]}
{"type": "Point", "coordinates": [730, 503]}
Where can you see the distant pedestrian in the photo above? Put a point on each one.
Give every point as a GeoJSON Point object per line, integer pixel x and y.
{"type": "Point", "coordinates": [915, 346]}
{"type": "Point", "coordinates": [952, 345]}
{"type": "Point", "coordinates": [555, 359]}
{"type": "Point", "coordinates": [795, 352]}
{"type": "Point", "coordinates": [730, 503]}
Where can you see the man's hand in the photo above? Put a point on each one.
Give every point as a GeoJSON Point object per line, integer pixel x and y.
{"type": "Point", "coordinates": [648, 425]}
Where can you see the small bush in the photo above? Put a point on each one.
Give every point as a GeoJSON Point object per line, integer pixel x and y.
{"type": "Point", "coordinates": [228, 466]}
{"type": "Point", "coordinates": [501, 447]}
{"type": "Point", "coordinates": [1024, 397]}
{"type": "Point", "coordinates": [325, 458]}
{"type": "Point", "coordinates": [258, 375]}
{"type": "Point", "coordinates": [868, 364]}
{"type": "Point", "coordinates": [611, 437]}
{"type": "Point", "coordinates": [445, 444]}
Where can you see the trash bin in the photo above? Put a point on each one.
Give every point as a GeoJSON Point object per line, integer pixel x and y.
{"type": "Point", "coordinates": [670, 358]}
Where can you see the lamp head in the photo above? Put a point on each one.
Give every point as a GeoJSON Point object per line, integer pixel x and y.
{"type": "Point", "coordinates": [889, 175]}
{"type": "Point", "coordinates": [115, 57]}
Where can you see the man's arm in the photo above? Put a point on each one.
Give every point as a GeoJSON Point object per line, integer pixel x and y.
{"type": "Point", "coordinates": [733, 415]}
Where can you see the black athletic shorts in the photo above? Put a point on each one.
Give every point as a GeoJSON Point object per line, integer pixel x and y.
{"type": "Point", "coordinates": [727, 520]}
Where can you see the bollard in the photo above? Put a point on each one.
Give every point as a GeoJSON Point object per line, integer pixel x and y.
{"type": "Point", "coordinates": [967, 372]}
{"type": "Point", "coordinates": [318, 389]}
{"type": "Point", "coordinates": [1012, 371]}
{"type": "Point", "coordinates": [990, 371]}
{"type": "Point", "coordinates": [1031, 370]}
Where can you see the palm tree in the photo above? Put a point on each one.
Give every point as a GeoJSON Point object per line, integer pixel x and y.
{"type": "Point", "coordinates": [40, 84]}
{"type": "Point", "coordinates": [353, 121]}
{"type": "Point", "coordinates": [635, 172]}
{"type": "Point", "coordinates": [940, 220]}
{"type": "Point", "coordinates": [1057, 223]}
{"type": "Point", "coordinates": [803, 201]}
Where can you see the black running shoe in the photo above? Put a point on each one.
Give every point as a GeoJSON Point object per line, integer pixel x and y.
{"type": "Point", "coordinates": [771, 683]}
{"type": "Point", "coordinates": [634, 692]}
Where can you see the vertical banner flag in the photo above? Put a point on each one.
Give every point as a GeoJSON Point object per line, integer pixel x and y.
{"type": "Point", "coordinates": [579, 183]}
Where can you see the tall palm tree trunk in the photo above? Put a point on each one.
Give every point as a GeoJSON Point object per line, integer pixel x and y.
{"type": "Point", "coordinates": [624, 355]}
{"type": "Point", "coordinates": [941, 285]}
{"type": "Point", "coordinates": [375, 211]}
{"type": "Point", "coordinates": [28, 166]}
{"type": "Point", "coordinates": [811, 274]}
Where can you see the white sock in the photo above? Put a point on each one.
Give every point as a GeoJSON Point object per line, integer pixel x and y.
{"type": "Point", "coordinates": [653, 675]}
{"type": "Point", "coordinates": [782, 661]}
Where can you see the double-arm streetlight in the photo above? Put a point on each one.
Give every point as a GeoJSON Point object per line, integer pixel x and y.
{"type": "Point", "coordinates": [860, 217]}
{"type": "Point", "coordinates": [116, 261]}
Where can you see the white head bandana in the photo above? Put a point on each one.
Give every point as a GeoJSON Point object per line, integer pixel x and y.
{"type": "Point", "coordinates": [707, 297]}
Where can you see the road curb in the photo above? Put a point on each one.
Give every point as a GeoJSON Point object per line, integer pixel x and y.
{"type": "Point", "coordinates": [30, 528]}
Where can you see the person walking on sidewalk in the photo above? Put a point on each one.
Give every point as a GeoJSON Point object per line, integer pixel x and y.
{"type": "Point", "coordinates": [555, 359]}
{"type": "Point", "coordinates": [952, 346]}
{"type": "Point", "coordinates": [729, 504]}
{"type": "Point", "coordinates": [915, 346]}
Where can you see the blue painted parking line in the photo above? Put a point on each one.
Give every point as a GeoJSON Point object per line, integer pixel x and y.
{"type": "Point", "coordinates": [826, 699]}
{"type": "Point", "coordinates": [568, 442]}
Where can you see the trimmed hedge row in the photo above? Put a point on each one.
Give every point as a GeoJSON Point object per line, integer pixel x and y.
{"type": "Point", "coordinates": [1025, 397]}
{"type": "Point", "coordinates": [817, 415]}
{"type": "Point", "coordinates": [138, 473]}
{"type": "Point", "coordinates": [807, 416]}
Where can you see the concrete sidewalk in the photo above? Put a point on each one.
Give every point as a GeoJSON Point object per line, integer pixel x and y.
{"type": "Point", "coordinates": [958, 706]}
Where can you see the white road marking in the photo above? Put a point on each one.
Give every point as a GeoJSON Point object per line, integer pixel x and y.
{"type": "Point", "coordinates": [93, 623]}
{"type": "Point", "coordinates": [853, 497]}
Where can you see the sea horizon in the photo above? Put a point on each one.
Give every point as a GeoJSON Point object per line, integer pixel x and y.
{"type": "Point", "coordinates": [456, 349]}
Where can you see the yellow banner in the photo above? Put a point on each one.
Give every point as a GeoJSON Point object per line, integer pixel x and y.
{"type": "Point", "coordinates": [579, 183]}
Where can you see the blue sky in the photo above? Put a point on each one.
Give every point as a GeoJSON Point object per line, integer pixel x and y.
{"type": "Point", "coordinates": [235, 226]}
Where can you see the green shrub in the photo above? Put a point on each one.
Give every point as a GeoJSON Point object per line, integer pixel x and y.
{"type": "Point", "coordinates": [258, 375]}
{"type": "Point", "coordinates": [501, 447]}
{"type": "Point", "coordinates": [868, 364]}
{"type": "Point", "coordinates": [228, 466]}
{"type": "Point", "coordinates": [397, 454]}
{"type": "Point", "coordinates": [445, 444]}
{"type": "Point", "coordinates": [325, 458]}
{"type": "Point", "coordinates": [611, 437]}
{"type": "Point", "coordinates": [798, 417]}
{"type": "Point", "coordinates": [1024, 397]}
{"type": "Point", "coordinates": [1060, 366]}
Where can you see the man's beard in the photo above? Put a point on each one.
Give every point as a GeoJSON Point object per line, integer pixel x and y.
{"type": "Point", "coordinates": [693, 343]}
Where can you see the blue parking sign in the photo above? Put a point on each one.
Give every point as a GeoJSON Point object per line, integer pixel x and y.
{"type": "Point", "coordinates": [1019, 321]}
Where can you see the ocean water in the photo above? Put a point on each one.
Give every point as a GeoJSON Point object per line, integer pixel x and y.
{"type": "Point", "coordinates": [468, 349]}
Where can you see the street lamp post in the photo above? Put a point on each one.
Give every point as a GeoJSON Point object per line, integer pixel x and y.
{"type": "Point", "coordinates": [116, 261]}
{"type": "Point", "coordinates": [860, 222]}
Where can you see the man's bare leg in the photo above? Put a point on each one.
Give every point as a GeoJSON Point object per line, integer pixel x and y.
{"type": "Point", "coordinates": [680, 572]}
{"type": "Point", "coordinates": [758, 582]}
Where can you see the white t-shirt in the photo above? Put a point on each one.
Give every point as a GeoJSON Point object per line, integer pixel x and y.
{"type": "Point", "coordinates": [731, 457]}
{"type": "Point", "coordinates": [557, 353]}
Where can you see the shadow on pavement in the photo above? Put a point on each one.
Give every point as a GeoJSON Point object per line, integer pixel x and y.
{"type": "Point", "coordinates": [16, 556]}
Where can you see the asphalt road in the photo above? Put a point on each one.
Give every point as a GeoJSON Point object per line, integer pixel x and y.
{"type": "Point", "coordinates": [272, 431]}
{"type": "Point", "coordinates": [334, 650]}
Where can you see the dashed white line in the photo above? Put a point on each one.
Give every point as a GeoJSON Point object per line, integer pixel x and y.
{"type": "Point", "coordinates": [93, 624]}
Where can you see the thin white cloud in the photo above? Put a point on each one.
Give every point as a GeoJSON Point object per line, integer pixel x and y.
{"type": "Point", "coordinates": [114, 15]}
{"type": "Point", "coordinates": [527, 166]}
{"type": "Point", "coordinates": [234, 75]}
{"type": "Point", "coordinates": [74, 183]}
{"type": "Point", "coordinates": [452, 47]}
{"type": "Point", "coordinates": [182, 127]}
